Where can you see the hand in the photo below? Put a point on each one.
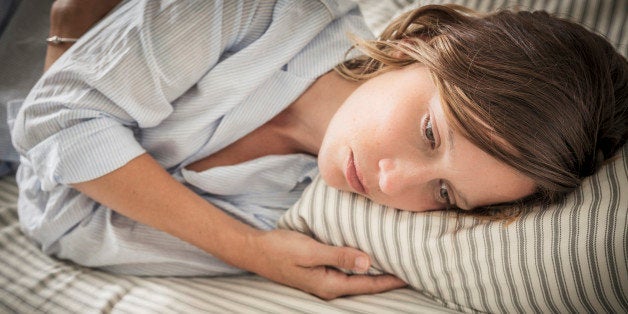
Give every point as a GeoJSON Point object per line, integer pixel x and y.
{"type": "Point", "coordinates": [295, 260]}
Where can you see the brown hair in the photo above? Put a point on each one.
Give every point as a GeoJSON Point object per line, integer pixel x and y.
{"type": "Point", "coordinates": [542, 94]}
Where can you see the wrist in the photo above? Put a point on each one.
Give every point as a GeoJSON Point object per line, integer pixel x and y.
{"type": "Point", "coordinates": [247, 257]}
{"type": "Point", "coordinates": [228, 239]}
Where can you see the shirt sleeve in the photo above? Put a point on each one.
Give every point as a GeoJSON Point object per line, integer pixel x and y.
{"type": "Point", "coordinates": [81, 119]}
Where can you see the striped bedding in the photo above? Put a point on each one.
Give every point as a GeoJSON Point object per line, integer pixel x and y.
{"type": "Point", "coordinates": [32, 282]}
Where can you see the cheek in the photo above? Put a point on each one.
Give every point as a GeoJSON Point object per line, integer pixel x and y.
{"type": "Point", "coordinates": [330, 161]}
{"type": "Point", "coordinates": [325, 167]}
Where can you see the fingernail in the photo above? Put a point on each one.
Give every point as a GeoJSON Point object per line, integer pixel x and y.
{"type": "Point", "coordinates": [361, 264]}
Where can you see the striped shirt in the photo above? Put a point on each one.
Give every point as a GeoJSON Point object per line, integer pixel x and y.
{"type": "Point", "coordinates": [179, 80]}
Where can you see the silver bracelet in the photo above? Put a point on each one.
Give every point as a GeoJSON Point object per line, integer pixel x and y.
{"type": "Point", "coordinates": [55, 40]}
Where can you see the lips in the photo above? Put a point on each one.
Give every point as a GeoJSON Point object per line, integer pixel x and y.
{"type": "Point", "coordinates": [351, 173]}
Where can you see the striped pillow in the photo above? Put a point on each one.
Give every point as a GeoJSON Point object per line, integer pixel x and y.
{"type": "Point", "coordinates": [607, 17]}
{"type": "Point", "coordinates": [569, 257]}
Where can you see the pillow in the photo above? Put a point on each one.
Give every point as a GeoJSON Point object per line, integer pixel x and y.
{"type": "Point", "coordinates": [607, 17]}
{"type": "Point", "coordinates": [568, 257]}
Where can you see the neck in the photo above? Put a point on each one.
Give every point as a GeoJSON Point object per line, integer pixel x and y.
{"type": "Point", "coordinates": [304, 123]}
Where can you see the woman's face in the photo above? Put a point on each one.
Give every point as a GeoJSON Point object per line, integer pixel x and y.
{"type": "Point", "coordinates": [390, 142]}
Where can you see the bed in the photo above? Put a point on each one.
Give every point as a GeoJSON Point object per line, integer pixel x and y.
{"type": "Point", "coordinates": [572, 257]}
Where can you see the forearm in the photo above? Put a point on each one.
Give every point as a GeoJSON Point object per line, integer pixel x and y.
{"type": "Point", "coordinates": [143, 191]}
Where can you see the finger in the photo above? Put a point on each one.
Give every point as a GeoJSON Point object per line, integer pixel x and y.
{"type": "Point", "coordinates": [367, 284]}
{"type": "Point", "coordinates": [344, 285]}
{"type": "Point", "coordinates": [339, 257]}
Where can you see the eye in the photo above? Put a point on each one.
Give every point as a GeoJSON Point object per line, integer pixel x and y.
{"type": "Point", "coordinates": [428, 131]}
{"type": "Point", "coordinates": [443, 194]}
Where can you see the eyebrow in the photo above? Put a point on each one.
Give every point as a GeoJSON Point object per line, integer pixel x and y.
{"type": "Point", "coordinates": [460, 198]}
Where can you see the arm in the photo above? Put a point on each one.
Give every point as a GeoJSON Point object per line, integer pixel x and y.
{"type": "Point", "coordinates": [142, 190]}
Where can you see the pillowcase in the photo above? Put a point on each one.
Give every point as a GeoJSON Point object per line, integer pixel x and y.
{"type": "Point", "coordinates": [567, 257]}
{"type": "Point", "coordinates": [607, 17]}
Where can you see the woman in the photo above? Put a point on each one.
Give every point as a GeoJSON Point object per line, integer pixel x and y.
{"type": "Point", "coordinates": [183, 121]}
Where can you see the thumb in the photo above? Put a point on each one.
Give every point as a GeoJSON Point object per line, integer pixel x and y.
{"type": "Point", "coordinates": [341, 257]}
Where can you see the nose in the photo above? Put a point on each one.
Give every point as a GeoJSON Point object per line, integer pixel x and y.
{"type": "Point", "coordinates": [397, 176]}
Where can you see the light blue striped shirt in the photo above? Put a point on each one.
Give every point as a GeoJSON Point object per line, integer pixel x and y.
{"type": "Point", "coordinates": [179, 80]}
